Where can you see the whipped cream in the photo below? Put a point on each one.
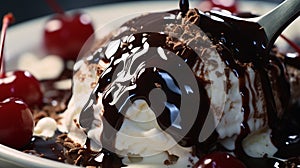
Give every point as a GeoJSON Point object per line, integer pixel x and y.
{"type": "Point", "coordinates": [84, 80]}
{"type": "Point", "coordinates": [45, 127]}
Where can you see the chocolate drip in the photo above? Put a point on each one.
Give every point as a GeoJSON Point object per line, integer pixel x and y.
{"type": "Point", "coordinates": [111, 160]}
{"type": "Point", "coordinates": [286, 136]}
{"type": "Point", "coordinates": [245, 130]}
{"type": "Point", "coordinates": [184, 6]}
{"type": "Point", "coordinates": [86, 118]}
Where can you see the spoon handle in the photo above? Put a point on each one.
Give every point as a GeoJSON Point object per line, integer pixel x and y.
{"type": "Point", "coordinates": [275, 21]}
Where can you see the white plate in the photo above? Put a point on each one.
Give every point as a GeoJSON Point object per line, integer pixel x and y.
{"type": "Point", "coordinates": [26, 37]}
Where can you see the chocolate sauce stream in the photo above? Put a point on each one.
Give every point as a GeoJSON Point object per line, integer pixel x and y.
{"type": "Point", "coordinates": [49, 148]}
{"type": "Point", "coordinates": [184, 6]}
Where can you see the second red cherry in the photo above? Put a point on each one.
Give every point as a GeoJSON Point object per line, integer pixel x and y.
{"type": "Point", "coordinates": [65, 34]}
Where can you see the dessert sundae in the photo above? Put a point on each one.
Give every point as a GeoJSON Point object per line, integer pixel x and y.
{"type": "Point", "coordinates": [182, 88]}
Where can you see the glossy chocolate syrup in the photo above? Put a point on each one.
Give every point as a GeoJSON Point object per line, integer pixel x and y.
{"type": "Point", "coordinates": [184, 6]}
{"type": "Point", "coordinates": [239, 42]}
{"type": "Point", "coordinates": [46, 148]}
{"type": "Point", "coordinates": [236, 49]}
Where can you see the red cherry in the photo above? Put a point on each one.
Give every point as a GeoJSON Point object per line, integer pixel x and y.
{"type": "Point", "coordinates": [230, 5]}
{"type": "Point", "coordinates": [219, 160]}
{"type": "Point", "coordinates": [16, 123]}
{"type": "Point", "coordinates": [65, 34]}
{"type": "Point", "coordinates": [23, 85]}
{"type": "Point", "coordinates": [20, 84]}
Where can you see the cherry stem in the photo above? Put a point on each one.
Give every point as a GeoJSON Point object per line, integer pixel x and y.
{"type": "Point", "coordinates": [55, 6]}
{"type": "Point", "coordinates": [291, 43]}
{"type": "Point", "coordinates": [7, 19]}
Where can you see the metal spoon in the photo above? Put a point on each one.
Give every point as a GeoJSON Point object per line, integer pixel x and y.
{"type": "Point", "coordinates": [275, 21]}
{"type": "Point", "coordinates": [272, 23]}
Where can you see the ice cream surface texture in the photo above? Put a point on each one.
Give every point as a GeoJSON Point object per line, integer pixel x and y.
{"type": "Point", "coordinates": [137, 106]}
{"type": "Point", "coordinates": [166, 89]}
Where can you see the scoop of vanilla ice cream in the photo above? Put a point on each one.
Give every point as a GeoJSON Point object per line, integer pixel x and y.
{"type": "Point", "coordinates": [140, 134]}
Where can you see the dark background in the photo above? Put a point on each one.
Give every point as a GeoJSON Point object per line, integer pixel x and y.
{"type": "Point", "coordinates": [24, 10]}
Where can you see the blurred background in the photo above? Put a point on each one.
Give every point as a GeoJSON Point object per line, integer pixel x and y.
{"type": "Point", "coordinates": [24, 10]}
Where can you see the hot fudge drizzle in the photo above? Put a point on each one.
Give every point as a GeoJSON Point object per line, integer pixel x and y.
{"type": "Point", "coordinates": [235, 48]}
